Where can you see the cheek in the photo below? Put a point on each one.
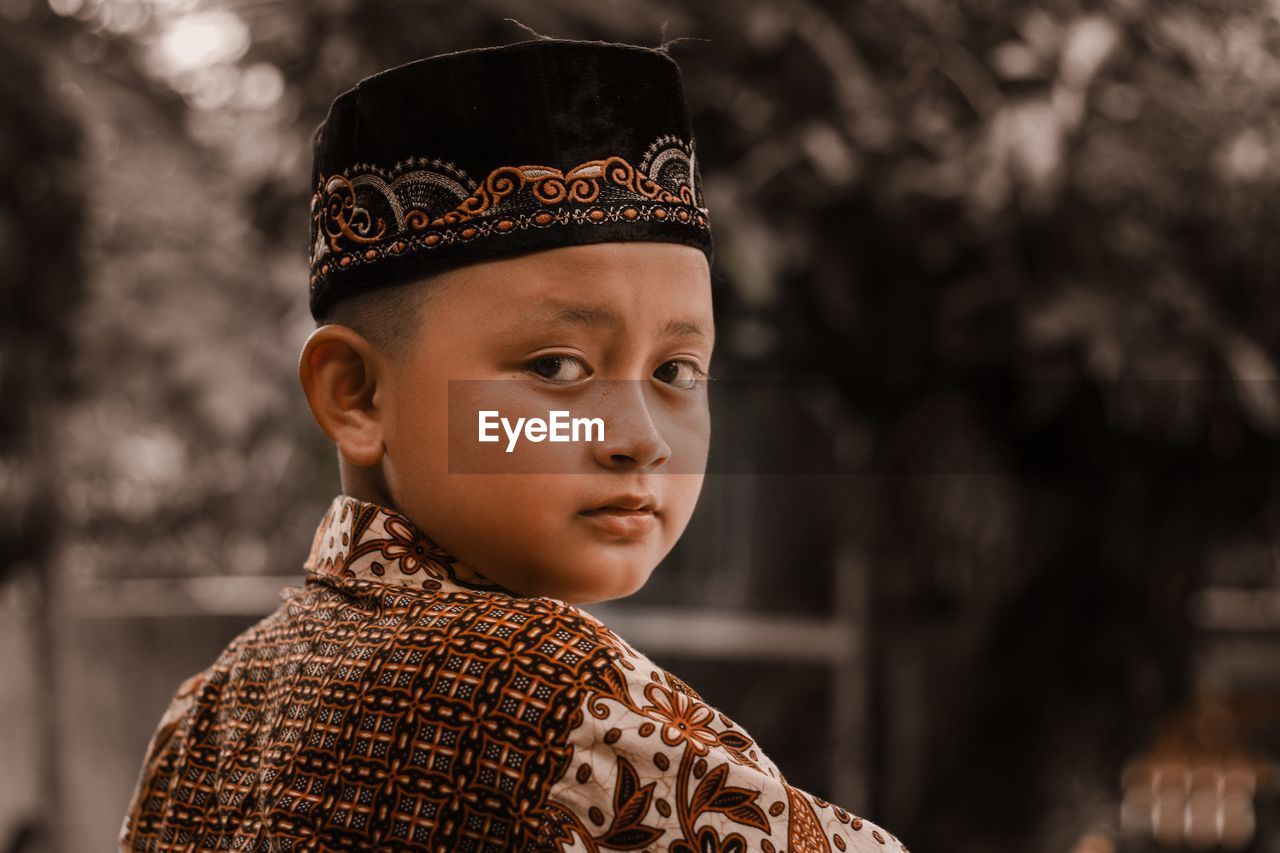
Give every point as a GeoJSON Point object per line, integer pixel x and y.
{"type": "Point", "coordinates": [687, 430]}
{"type": "Point", "coordinates": [519, 530]}
{"type": "Point", "coordinates": [418, 431]}
{"type": "Point", "coordinates": [524, 504]}
{"type": "Point", "coordinates": [416, 451]}
{"type": "Point", "coordinates": [682, 497]}
{"type": "Point", "coordinates": [508, 518]}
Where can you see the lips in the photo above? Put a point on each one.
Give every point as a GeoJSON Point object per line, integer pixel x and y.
{"type": "Point", "coordinates": [624, 516]}
{"type": "Point", "coordinates": [624, 503]}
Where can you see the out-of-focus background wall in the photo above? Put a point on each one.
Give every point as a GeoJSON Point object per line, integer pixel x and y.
{"type": "Point", "coordinates": [1024, 253]}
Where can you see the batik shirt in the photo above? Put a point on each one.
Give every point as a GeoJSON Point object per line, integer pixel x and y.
{"type": "Point", "coordinates": [400, 701]}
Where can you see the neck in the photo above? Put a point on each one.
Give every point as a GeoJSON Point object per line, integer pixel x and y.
{"type": "Point", "coordinates": [366, 484]}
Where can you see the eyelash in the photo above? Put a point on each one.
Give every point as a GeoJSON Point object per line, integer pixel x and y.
{"type": "Point", "coordinates": [698, 372]}
{"type": "Point", "coordinates": [531, 366]}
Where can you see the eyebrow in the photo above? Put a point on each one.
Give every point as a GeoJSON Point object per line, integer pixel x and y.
{"type": "Point", "coordinates": [568, 314]}
{"type": "Point", "coordinates": [678, 328]}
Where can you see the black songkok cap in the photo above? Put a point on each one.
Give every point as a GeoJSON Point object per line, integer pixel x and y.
{"type": "Point", "coordinates": [499, 151]}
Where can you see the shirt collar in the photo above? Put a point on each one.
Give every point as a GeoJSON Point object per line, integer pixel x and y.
{"type": "Point", "coordinates": [358, 539]}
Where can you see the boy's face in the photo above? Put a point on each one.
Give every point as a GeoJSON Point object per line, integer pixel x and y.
{"type": "Point", "coordinates": [619, 331]}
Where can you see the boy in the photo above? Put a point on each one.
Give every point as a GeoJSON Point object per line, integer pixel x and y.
{"type": "Point", "coordinates": [434, 686]}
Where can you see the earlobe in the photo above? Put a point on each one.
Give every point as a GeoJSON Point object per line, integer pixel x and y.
{"type": "Point", "coordinates": [339, 377]}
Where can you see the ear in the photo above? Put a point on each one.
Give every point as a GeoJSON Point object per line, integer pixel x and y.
{"type": "Point", "coordinates": [339, 374]}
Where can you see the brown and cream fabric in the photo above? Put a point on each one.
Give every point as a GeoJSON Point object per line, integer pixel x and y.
{"type": "Point", "coordinates": [399, 701]}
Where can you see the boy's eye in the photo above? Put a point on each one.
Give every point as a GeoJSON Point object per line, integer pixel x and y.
{"type": "Point", "coordinates": [679, 373]}
{"type": "Point", "coordinates": [559, 368]}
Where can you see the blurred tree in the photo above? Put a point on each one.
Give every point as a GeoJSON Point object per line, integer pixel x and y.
{"type": "Point", "coordinates": [41, 229]}
{"type": "Point", "coordinates": [1042, 284]}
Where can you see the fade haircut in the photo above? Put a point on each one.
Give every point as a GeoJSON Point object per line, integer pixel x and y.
{"type": "Point", "coordinates": [388, 317]}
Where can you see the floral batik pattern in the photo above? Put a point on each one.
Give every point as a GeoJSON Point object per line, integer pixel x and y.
{"type": "Point", "coordinates": [368, 213]}
{"type": "Point", "coordinates": [654, 767]}
{"type": "Point", "coordinates": [357, 539]}
{"type": "Point", "coordinates": [401, 701]}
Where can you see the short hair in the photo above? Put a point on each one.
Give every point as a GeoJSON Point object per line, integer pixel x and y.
{"type": "Point", "coordinates": [389, 317]}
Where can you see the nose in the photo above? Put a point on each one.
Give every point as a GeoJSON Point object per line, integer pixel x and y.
{"type": "Point", "coordinates": [631, 438]}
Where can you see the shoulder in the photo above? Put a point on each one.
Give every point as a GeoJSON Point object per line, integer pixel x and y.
{"type": "Point", "coordinates": [652, 763]}
{"type": "Point", "coordinates": [480, 690]}
{"type": "Point", "coordinates": [814, 824]}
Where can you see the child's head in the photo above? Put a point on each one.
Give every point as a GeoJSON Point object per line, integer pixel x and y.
{"type": "Point", "coordinates": [517, 230]}
{"type": "Point", "coordinates": [563, 323]}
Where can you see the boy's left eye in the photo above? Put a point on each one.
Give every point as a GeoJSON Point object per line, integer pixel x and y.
{"type": "Point", "coordinates": [559, 368]}
{"type": "Point", "coordinates": [679, 373]}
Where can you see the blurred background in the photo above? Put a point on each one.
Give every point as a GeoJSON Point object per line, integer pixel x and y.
{"type": "Point", "coordinates": [1024, 256]}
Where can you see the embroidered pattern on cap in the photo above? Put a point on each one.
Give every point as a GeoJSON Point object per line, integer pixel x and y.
{"type": "Point", "coordinates": [367, 212]}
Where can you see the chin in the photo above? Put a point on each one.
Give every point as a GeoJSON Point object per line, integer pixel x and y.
{"type": "Point", "coordinates": [626, 581]}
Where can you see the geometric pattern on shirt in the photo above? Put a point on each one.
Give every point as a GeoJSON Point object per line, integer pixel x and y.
{"type": "Point", "coordinates": [363, 714]}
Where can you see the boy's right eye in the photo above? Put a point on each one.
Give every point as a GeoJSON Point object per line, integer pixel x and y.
{"type": "Point", "coordinates": [559, 368]}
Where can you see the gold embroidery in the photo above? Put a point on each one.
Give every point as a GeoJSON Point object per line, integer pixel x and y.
{"type": "Point", "coordinates": [367, 213]}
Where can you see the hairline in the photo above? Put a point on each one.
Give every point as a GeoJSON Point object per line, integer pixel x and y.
{"type": "Point", "coordinates": [388, 316]}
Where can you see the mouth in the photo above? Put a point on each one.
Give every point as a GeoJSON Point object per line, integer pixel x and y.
{"type": "Point", "coordinates": [624, 516]}
{"type": "Point", "coordinates": [624, 504]}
